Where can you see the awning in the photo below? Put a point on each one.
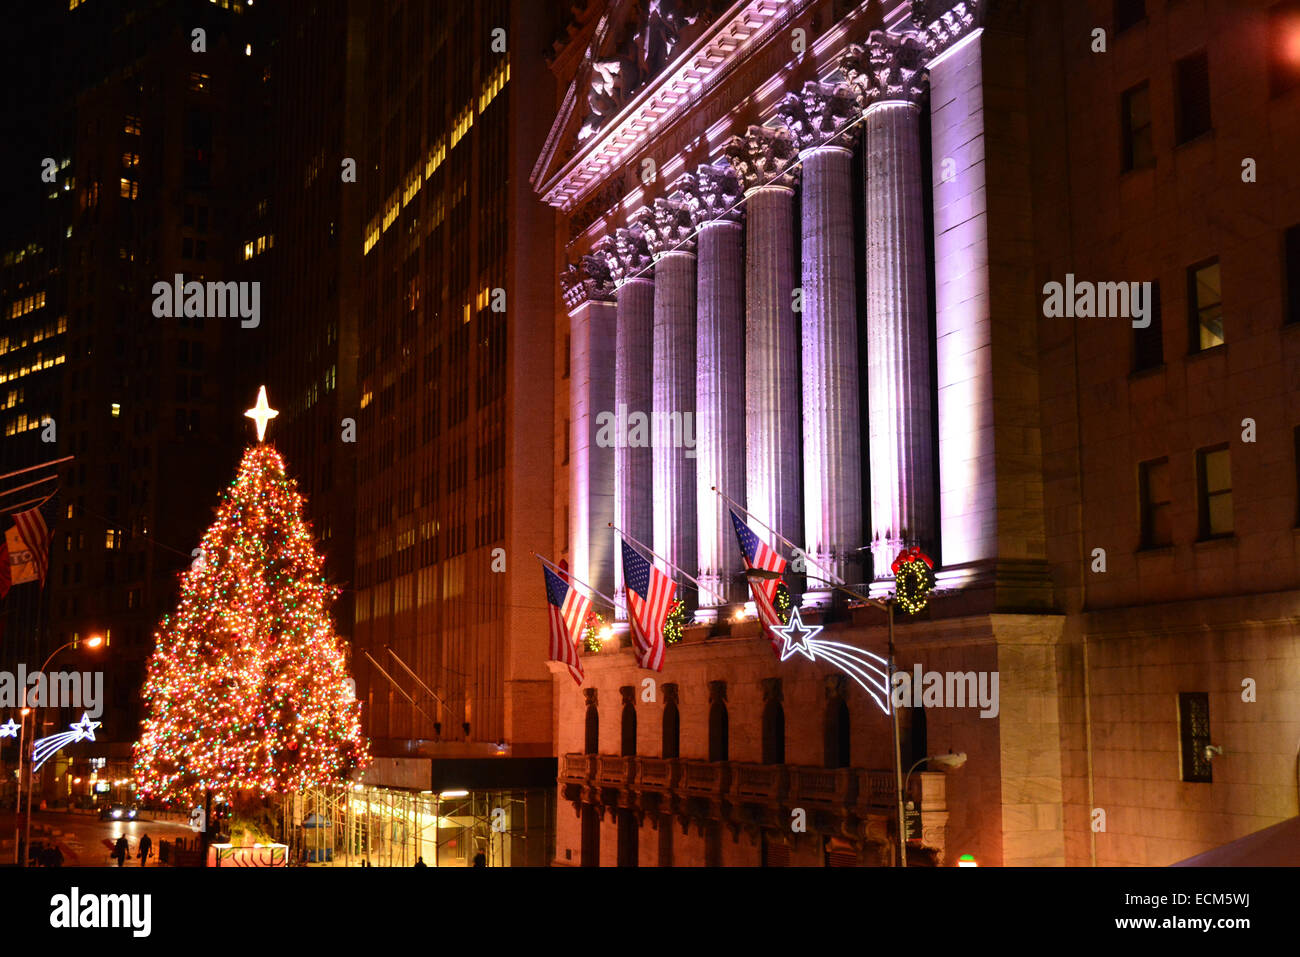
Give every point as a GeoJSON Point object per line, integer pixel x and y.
{"type": "Point", "coordinates": [1276, 846]}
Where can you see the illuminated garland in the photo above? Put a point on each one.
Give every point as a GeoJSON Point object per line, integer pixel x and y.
{"type": "Point", "coordinates": [912, 579]}
{"type": "Point", "coordinates": [248, 686]}
{"type": "Point", "coordinates": [783, 602]}
{"type": "Point", "coordinates": [674, 623]}
{"type": "Point", "coordinates": [591, 640]}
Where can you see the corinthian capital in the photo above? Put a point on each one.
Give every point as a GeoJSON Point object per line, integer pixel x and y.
{"type": "Point", "coordinates": [818, 112]}
{"type": "Point", "coordinates": [886, 67]}
{"type": "Point", "coordinates": [672, 229]}
{"type": "Point", "coordinates": [714, 193]}
{"type": "Point", "coordinates": [632, 247]}
{"type": "Point", "coordinates": [764, 157]}
{"type": "Point", "coordinates": [589, 279]}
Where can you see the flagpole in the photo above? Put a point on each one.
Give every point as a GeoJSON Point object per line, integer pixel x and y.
{"type": "Point", "coordinates": [682, 571]}
{"type": "Point", "coordinates": [19, 488]}
{"type": "Point", "coordinates": [578, 581]}
{"type": "Point", "coordinates": [790, 544]}
{"type": "Point", "coordinates": [33, 468]}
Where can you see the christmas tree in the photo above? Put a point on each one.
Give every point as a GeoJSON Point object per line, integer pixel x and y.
{"type": "Point", "coordinates": [247, 687]}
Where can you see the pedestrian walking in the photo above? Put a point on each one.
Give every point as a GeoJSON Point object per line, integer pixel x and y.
{"type": "Point", "coordinates": [120, 850]}
{"type": "Point", "coordinates": [480, 859]}
{"type": "Point", "coordinates": [146, 846]}
{"type": "Point", "coordinates": [419, 861]}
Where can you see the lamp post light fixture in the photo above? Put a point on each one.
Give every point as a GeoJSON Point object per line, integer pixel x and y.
{"type": "Point", "coordinates": [20, 858]}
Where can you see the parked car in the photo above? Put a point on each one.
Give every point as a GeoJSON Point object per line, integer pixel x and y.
{"type": "Point", "coordinates": [118, 812]}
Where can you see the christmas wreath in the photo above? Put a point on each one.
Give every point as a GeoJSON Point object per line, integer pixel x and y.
{"type": "Point", "coordinates": [913, 579]}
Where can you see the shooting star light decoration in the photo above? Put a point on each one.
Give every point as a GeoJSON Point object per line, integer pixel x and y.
{"type": "Point", "coordinates": [43, 749]}
{"type": "Point", "coordinates": [9, 729]}
{"type": "Point", "coordinates": [869, 670]}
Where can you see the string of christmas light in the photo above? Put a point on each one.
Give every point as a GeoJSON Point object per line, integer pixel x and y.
{"type": "Point", "coordinates": [674, 623]}
{"type": "Point", "coordinates": [247, 688]}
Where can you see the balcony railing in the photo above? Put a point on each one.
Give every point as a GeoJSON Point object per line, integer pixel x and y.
{"type": "Point", "coordinates": [657, 774]}
{"type": "Point", "coordinates": [579, 768]}
{"type": "Point", "coordinates": [616, 771]}
{"type": "Point", "coordinates": [704, 777]}
{"type": "Point", "coordinates": [880, 788]}
{"type": "Point", "coordinates": [762, 781]}
{"type": "Point", "coordinates": [823, 786]}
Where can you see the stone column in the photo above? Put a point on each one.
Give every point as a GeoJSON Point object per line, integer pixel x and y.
{"type": "Point", "coordinates": [986, 307]}
{"type": "Point", "coordinates": [832, 455]}
{"type": "Point", "coordinates": [589, 296]}
{"type": "Point", "coordinates": [673, 419]}
{"type": "Point", "coordinates": [634, 340]}
{"type": "Point", "coordinates": [889, 73]}
{"type": "Point", "coordinates": [764, 161]}
{"type": "Point", "coordinates": [720, 377]}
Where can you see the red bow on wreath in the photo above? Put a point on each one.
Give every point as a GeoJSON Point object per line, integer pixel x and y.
{"type": "Point", "coordinates": [912, 554]}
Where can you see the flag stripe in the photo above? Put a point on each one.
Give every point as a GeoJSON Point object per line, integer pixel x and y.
{"type": "Point", "coordinates": [757, 554]}
{"type": "Point", "coordinates": [568, 613]}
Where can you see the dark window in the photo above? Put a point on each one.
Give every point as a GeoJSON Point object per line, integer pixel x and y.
{"type": "Point", "coordinates": [775, 852]}
{"type": "Point", "coordinates": [773, 733]}
{"type": "Point", "coordinates": [666, 841]}
{"type": "Point", "coordinates": [568, 351]}
{"type": "Point", "coordinates": [592, 745]}
{"type": "Point", "coordinates": [629, 729]}
{"type": "Point", "coordinates": [1284, 47]}
{"type": "Point", "coordinates": [673, 722]}
{"type": "Point", "coordinates": [718, 730]}
{"type": "Point", "coordinates": [1194, 733]}
{"type": "Point", "coordinates": [1156, 506]}
{"type": "Point", "coordinates": [590, 851]}
{"type": "Point", "coordinates": [836, 751]}
{"type": "Point", "coordinates": [628, 832]}
{"type": "Point", "coordinates": [1214, 486]}
{"type": "Point", "coordinates": [1192, 96]}
{"type": "Point", "coordinates": [1148, 343]}
{"type": "Point", "coordinates": [1205, 305]}
{"type": "Point", "coordinates": [917, 737]}
{"type": "Point", "coordinates": [1135, 122]}
{"type": "Point", "coordinates": [1129, 13]}
{"type": "Point", "coordinates": [713, 844]}
{"type": "Point", "coordinates": [1291, 273]}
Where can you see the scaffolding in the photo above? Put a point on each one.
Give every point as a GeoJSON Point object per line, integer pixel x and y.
{"type": "Point", "coordinates": [359, 825]}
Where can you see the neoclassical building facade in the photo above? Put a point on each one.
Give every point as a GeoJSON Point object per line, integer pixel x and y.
{"type": "Point", "coordinates": [813, 232]}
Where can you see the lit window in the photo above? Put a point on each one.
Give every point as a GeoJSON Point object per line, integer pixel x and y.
{"type": "Point", "coordinates": [130, 160]}
{"type": "Point", "coordinates": [199, 81]}
{"type": "Point", "coordinates": [130, 188]}
{"type": "Point", "coordinates": [248, 250]}
{"type": "Point", "coordinates": [1205, 305]}
{"type": "Point", "coordinates": [115, 410]}
{"type": "Point", "coordinates": [1214, 481]}
{"type": "Point", "coordinates": [131, 125]}
{"type": "Point", "coordinates": [248, 49]}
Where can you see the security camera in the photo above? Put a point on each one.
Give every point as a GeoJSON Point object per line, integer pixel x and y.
{"type": "Point", "coordinates": [1211, 750]}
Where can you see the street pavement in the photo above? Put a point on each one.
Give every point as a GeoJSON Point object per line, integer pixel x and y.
{"type": "Point", "coordinates": [86, 841]}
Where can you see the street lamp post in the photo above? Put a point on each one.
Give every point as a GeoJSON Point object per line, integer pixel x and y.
{"type": "Point", "coordinates": [94, 641]}
{"type": "Point", "coordinates": [887, 606]}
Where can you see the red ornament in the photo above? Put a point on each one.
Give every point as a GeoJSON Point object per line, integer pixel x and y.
{"type": "Point", "coordinates": [913, 554]}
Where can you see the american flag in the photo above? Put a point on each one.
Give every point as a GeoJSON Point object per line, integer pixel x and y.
{"type": "Point", "coordinates": [649, 599]}
{"type": "Point", "coordinates": [568, 615]}
{"type": "Point", "coordinates": [759, 555]}
{"type": "Point", "coordinates": [36, 536]}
